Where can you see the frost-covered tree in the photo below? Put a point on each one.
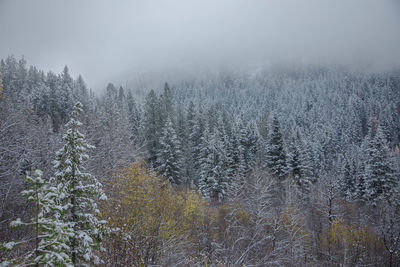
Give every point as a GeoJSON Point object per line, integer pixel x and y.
{"type": "Point", "coordinates": [1, 86]}
{"type": "Point", "coordinates": [379, 174]}
{"type": "Point", "coordinates": [81, 190]}
{"type": "Point", "coordinates": [51, 232]}
{"type": "Point", "coordinates": [275, 160]}
{"type": "Point", "coordinates": [152, 127]}
{"type": "Point", "coordinates": [169, 156]}
{"type": "Point", "coordinates": [213, 180]}
{"type": "Point", "coordinates": [65, 94]}
{"type": "Point", "coordinates": [299, 163]}
{"type": "Point", "coordinates": [197, 142]}
{"type": "Point", "coordinates": [348, 182]}
{"type": "Point", "coordinates": [135, 117]}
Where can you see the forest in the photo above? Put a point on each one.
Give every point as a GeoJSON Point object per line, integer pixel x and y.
{"type": "Point", "coordinates": [282, 166]}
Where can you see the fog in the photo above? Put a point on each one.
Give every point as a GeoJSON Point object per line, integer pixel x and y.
{"type": "Point", "coordinates": [117, 40]}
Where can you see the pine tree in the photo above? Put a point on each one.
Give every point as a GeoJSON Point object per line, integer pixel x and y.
{"type": "Point", "coordinates": [152, 127]}
{"type": "Point", "coordinates": [166, 104]}
{"type": "Point", "coordinates": [189, 153]}
{"type": "Point", "coordinates": [81, 190]}
{"type": "Point", "coordinates": [65, 94]}
{"type": "Point", "coordinates": [81, 93]}
{"type": "Point", "coordinates": [275, 153]}
{"type": "Point", "coordinates": [169, 156]}
{"type": "Point", "coordinates": [214, 180]}
{"type": "Point", "coordinates": [197, 141]}
{"type": "Point", "coordinates": [294, 158]}
{"type": "Point", "coordinates": [134, 118]}
{"type": "Point", "coordinates": [1, 86]}
{"type": "Point", "coordinates": [51, 232]}
{"type": "Point", "coordinates": [348, 180]}
{"type": "Point", "coordinates": [299, 163]}
{"type": "Point", "coordinates": [379, 174]}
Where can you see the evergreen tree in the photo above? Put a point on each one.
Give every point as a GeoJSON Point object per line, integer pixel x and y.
{"type": "Point", "coordinates": [214, 180]}
{"type": "Point", "coordinates": [379, 174]}
{"type": "Point", "coordinates": [233, 154]}
{"type": "Point", "coordinates": [299, 163]}
{"type": "Point", "coordinates": [1, 87]}
{"type": "Point", "coordinates": [294, 158]}
{"type": "Point", "coordinates": [81, 190]}
{"type": "Point", "coordinates": [51, 232]}
{"type": "Point", "coordinates": [275, 153]}
{"type": "Point", "coordinates": [348, 180]}
{"type": "Point", "coordinates": [81, 93]}
{"type": "Point", "coordinates": [169, 156]}
{"type": "Point", "coordinates": [65, 94]}
{"type": "Point", "coordinates": [166, 105]}
{"type": "Point", "coordinates": [190, 146]}
{"type": "Point", "coordinates": [134, 118]}
{"type": "Point", "coordinates": [152, 127]}
{"type": "Point", "coordinates": [197, 141]}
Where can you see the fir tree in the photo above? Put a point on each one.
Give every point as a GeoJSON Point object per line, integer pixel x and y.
{"type": "Point", "coordinates": [348, 180]}
{"type": "Point", "coordinates": [51, 232]}
{"type": "Point", "coordinates": [1, 87]}
{"type": "Point", "coordinates": [275, 153]}
{"type": "Point", "coordinates": [379, 174]}
{"type": "Point", "coordinates": [81, 190]}
{"type": "Point", "coordinates": [152, 126]}
{"type": "Point", "coordinates": [214, 180]}
{"type": "Point", "coordinates": [299, 163]}
{"type": "Point", "coordinates": [169, 155]}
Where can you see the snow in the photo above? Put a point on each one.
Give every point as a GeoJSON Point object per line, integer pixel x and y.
{"type": "Point", "coordinates": [9, 245]}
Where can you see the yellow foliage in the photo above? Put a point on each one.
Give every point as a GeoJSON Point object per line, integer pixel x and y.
{"type": "Point", "coordinates": [351, 236]}
{"type": "Point", "coordinates": [292, 221]}
{"type": "Point", "coordinates": [149, 212]}
{"type": "Point", "coordinates": [351, 243]}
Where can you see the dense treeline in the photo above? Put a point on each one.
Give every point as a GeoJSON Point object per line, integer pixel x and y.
{"type": "Point", "coordinates": [293, 164]}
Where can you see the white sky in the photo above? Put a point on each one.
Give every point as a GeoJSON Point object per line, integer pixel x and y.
{"type": "Point", "coordinates": [107, 40]}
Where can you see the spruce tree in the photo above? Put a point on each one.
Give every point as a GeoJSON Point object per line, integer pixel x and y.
{"type": "Point", "coordinates": [379, 174]}
{"type": "Point", "coordinates": [214, 180]}
{"type": "Point", "coordinates": [152, 127]}
{"type": "Point", "coordinates": [51, 232]}
{"type": "Point", "coordinates": [348, 179]}
{"type": "Point", "coordinates": [275, 154]}
{"type": "Point", "coordinates": [299, 163]}
{"type": "Point", "coordinates": [1, 87]}
{"type": "Point", "coordinates": [169, 156]}
{"type": "Point", "coordinates": [81, 190]}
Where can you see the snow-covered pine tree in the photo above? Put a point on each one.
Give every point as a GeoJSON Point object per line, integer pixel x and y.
{"type": "Point", "coordinates": [275, 160]}
{"type": "Point", "coordinates": [242, 148]}
{"type": "Point", "coordinates": [379, 174]}
{"type": "Point", "coordinates": [189, 155]}
{"type": "Point", "coordinates": [232, 153]}
{"type": "Point", "coordinates": [348, 182]}
{"type": "Point", "coordinates": [81, 190]}
{"type": "Point", "coordinates": [65, 94]}
{"type": "Point", "coordinates": [1, 87]}
{"type": "Point", "coordinates": [205, 165]}
{"type": "Point", "coordinates": [294, 158]}
{"type": "Point", "coordinates": [152, 124]}
{"type": "Point", "coordinates": [81, 92]}
{"type": "Point", "coordinates": [299, 163]}
{"type": "Point", "coordinates": [196, 139]}
{"type": "Point", "coordinates": [169, 156]}
{"type": "Point", "coordinates": [214, 180]}
{"type": "Point", "coordinates": [51, 232]}
{"type": "Point", "coordinates": [135, 118]}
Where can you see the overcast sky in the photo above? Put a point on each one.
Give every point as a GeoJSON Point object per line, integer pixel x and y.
{"type": "Point", "coordinates": [105, 40]}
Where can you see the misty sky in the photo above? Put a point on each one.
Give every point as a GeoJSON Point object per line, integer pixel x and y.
{"type": "Point", "coordinates": [111, 40]}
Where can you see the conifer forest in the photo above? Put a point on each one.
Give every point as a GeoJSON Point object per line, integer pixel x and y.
{"type": "Point", "coordinates": [284, 164]}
